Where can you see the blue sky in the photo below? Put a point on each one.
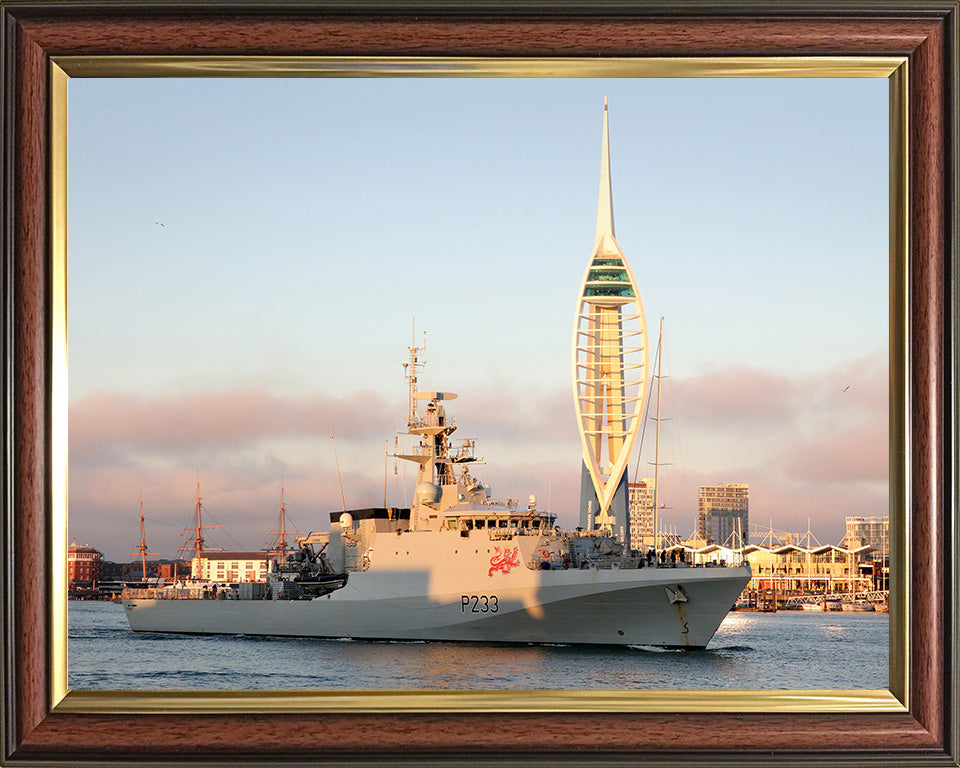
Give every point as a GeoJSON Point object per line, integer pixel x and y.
{"type": "Point", "coordinates": [307, 221]}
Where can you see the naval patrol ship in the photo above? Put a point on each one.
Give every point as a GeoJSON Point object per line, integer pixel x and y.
{"type": "Point", "coordinates": [456, 566]}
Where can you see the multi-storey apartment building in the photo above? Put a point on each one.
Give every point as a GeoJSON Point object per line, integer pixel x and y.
{"type": "Point", "coordinates": [641, 500]}
{"type": "Point", "coordinates": [723, 514]}
{"type": "Point", "coordinates": [872, 531]}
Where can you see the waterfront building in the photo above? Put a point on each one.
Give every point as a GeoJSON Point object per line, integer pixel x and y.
{"type": "Point", "coordinates": [824, 569]}
{"type": "Point", "coordinates": [788, 568]}
{"type": "Point", "coordinates": [232, 567]}
{"type": "Point", "coordinates": [723, 515]}
{"type": "Point", "coordinates": [610, 369]}
{"type": "Point", "coordinates": [872, 531]}
{"type": "Point", "coordinates": [83, 567]}
{"type": "Point", "coordinates": [641, 500]}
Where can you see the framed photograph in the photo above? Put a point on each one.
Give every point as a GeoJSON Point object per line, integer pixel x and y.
{"type": "Point", "coordinates": [47, 45]}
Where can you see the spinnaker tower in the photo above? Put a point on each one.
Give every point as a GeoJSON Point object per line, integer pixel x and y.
{"type": "Point", "coordinates": [610, 368]}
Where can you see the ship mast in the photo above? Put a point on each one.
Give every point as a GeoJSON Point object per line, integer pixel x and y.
{"type": "Point", "coordinates": [199, 520]}
{"type": "Point", "coordinates": [142, 549]}
{"type": "Point", "coordinates": [410, 374]}
{"type": "Point", "coordinates": [281, 547]}
{"type": "Point", "coordinates": [196, 543]}
{"type": "Point", "coordinates": [432, 432]}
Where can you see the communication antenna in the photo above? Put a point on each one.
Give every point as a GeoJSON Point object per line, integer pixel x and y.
{"type": "Point", "coordinates": [337, 465]}
{"type": "Point", "coordinates": [410, 373]}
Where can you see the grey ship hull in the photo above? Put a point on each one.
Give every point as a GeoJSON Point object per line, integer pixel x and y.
{"type": "Point", "coordinates": [636, 607]}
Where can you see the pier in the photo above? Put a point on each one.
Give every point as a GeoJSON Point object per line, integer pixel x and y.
{"type": "Point", "coordinates": [770, 600]}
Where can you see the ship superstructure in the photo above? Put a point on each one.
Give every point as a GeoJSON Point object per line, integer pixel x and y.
{"type": "Point", "coordinates": [610, 368]}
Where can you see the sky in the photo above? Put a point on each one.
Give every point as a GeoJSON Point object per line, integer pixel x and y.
{"type": "Point", "coordinates": [248, 259]}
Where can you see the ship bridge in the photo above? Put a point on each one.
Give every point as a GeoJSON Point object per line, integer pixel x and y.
{"type": "Point", "coordinates": [498, 519]}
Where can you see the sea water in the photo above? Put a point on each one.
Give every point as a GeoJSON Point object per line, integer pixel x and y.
{"type": "Point", "coordinates": [788, 650]}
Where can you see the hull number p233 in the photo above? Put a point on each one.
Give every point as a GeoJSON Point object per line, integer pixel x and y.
{"type": "Point", "coordinates": [479, 604]}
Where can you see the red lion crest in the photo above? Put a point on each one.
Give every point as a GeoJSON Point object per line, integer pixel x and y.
{"type": "Point", "coordinates": [504, 562]}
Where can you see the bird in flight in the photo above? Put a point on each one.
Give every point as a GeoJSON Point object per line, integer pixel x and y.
{"type": "Point", "coordinates": [158, 223]}
{"type": "Point", "coordinates": [845, 388]}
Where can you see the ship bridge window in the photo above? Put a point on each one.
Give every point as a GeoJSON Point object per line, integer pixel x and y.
{"type": "Point", "coordinates": [504, 523]}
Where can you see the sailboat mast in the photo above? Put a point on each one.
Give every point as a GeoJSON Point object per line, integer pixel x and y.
{"type": "Point", "coordinates": [656, 456]}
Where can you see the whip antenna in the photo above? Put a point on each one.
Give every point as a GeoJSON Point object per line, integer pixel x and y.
{"type": "Point", "coordinates": [337, 465]}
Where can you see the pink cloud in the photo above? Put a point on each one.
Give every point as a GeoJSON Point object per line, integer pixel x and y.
{"type": "Point", "coordinates": [491, 414]}
{"type": "Point", "coordinates": [751, 398]}
{"type": "Point", "coordinates": [854, 454]}
{"type": "Point", "coordinates": [123, 423]}
{"type": "Point", "coordinates": [741, 396]}
{"type": "Point", "coordinates": [862, 383]}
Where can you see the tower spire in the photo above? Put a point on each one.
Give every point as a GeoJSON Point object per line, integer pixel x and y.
{"type": "Point", "coordinates": [605, 202]}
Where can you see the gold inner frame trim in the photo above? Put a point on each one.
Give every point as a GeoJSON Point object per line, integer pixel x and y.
{"type": "Point", "coordinates": [426, 66]}
{"type": "Point", "coordinates": [593, 701]}
{"type": "Point", "coordinates": [59, 381]}
{"type": "Point", "coordinates": [239, 702]}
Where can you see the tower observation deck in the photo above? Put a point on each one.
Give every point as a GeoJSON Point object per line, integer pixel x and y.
{"type": "Point", "coordinates": [610, 368]}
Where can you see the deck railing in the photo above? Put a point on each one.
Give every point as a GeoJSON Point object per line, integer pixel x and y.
{"type": "Point", "coordinates": [176, 593]}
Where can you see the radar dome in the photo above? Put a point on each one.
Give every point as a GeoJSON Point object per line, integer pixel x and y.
{"type": "Point", "coordinates": [346, 520]}
{"type": "Point", "coordinates": [428, 493]}
{"type": "Point", "coordinates": [532, 501]}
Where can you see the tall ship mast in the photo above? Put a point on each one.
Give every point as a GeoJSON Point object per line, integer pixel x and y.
{"type": "Point", "coordinates": [142, 549]}
{"type": "Point", "coordinates": [280, 547]}
{"type": "Point", "coordinates": [196, 542]}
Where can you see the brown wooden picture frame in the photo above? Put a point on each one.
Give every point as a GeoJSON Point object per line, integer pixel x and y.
{"type": "Point", "coordinates": [34, 34]}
